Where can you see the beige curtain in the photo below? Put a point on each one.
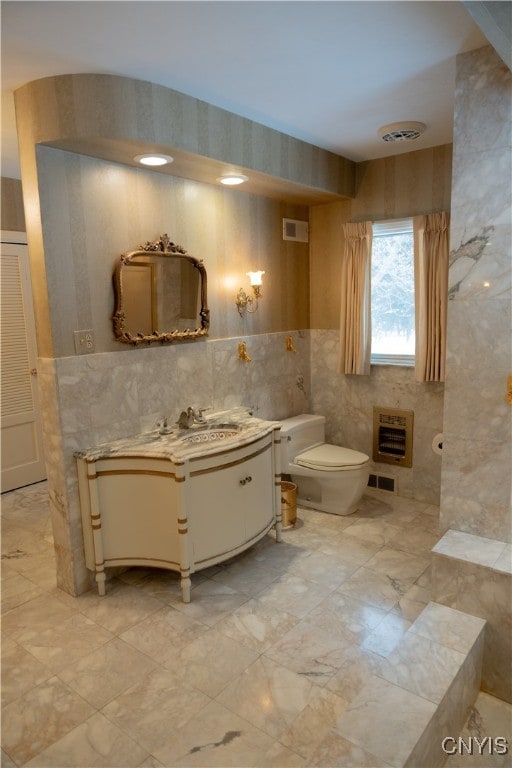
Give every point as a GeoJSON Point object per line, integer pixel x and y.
{"type": "Point", "coordinates": [431, 253]}
{"type": "Point", "coordinates": [355, 324]}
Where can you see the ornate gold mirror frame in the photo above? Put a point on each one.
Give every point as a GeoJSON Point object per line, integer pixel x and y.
{"type": "Point", "coordinates": [140, 257]}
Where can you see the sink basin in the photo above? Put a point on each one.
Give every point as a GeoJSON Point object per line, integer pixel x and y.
{"type": "Point", "coordinates": [213, 433]}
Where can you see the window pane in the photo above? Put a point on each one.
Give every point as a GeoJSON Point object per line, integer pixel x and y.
{"type": "Point", "coordinates": [393, 331]}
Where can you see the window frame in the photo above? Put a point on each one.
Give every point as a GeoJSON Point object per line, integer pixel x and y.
{"type": "Point", "coordinates": [393, 227]}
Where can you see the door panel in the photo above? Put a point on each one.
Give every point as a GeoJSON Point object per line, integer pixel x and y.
{"type": "Point", "coordinates": [22, 458]}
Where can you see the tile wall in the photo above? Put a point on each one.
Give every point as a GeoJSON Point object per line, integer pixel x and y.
{"type": "Point", "coordinates": [476, 471]}
{"type": "Point", "coordinates": [94, 398]}
{"type": "Point", "coordinates": [348, 401]}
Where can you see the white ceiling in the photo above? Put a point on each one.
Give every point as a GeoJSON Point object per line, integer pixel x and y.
{"type": "Point", "coordinates": [329, 73]}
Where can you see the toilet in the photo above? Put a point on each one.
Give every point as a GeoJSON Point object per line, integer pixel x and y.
{"type": "Point", "coordinates": [328, 477]}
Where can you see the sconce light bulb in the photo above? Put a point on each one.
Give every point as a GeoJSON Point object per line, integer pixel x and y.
{"type": "Point", "coordinates": [255, 277]}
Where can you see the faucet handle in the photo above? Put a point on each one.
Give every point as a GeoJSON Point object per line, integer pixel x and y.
{"type": "Point", "coordinates": [198, 415]}
{"type": "Point", "coordinates": [165, 427]}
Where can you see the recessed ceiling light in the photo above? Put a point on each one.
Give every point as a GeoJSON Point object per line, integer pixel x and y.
{"type": "Point", "coordinates": [406, 131]}
{"type": "Point", "coordinates": [232, 179]}
{"type": "Point", "coordinates": [153, 160]}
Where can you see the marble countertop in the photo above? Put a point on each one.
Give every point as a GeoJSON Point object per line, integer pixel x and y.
{"type": "Point", "coordinates": [173, 447]}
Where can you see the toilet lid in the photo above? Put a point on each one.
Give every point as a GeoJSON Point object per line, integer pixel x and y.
{"type": "Point", "coordinates": [331, 458]}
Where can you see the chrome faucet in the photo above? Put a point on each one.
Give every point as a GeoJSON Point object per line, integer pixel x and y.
{"type": "Point", "coordinates": [186, 418]}
{"type": "Point", "coordinates": [190, 417]}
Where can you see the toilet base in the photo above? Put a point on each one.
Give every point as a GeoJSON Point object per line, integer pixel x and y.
{"type": "Point", "coordinates": [331, 495]}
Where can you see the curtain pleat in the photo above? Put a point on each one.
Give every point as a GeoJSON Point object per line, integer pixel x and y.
{"type": "Point", "coordinates": [355, 325]}
{"type": "Point", "coordinates": [431, 261]}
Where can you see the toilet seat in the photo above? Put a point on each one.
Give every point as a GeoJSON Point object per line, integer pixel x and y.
{"type": "Point", "coordinates": [331, 458]}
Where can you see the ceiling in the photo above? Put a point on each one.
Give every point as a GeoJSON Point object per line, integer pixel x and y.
{"type": "Point", "coordinates": [329, 73]}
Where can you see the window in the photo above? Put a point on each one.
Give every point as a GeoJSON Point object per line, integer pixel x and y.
{"type": "Point", "coordinates": [392, 293]}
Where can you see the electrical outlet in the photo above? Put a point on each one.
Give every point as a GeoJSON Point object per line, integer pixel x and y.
{"type": "Point", "coordinates": [84, 342]}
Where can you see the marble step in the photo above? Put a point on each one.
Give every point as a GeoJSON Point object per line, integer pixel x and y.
{"type": "Point", "coordinates": [422, 692]}
{"type": "Point", "coordinates": [474, 574]}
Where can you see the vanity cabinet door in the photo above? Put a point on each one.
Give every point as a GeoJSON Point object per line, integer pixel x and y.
{"type": "Point", "coordinates": [258, 497]}
{"type": "Point", "coordinates": [231, 504]}
{"type": "Point", "coordinates": [216, 512]}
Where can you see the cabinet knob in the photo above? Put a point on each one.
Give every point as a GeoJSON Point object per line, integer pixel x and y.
{"type": "Point", "coordinates": [247, 479]}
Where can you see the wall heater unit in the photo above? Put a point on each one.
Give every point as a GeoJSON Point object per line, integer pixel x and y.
{"type": "Point", "coordinates": [392, 436]}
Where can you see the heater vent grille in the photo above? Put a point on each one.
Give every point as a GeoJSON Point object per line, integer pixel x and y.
{"type": "Point", "coordinates": [394, 419]}
{"type": "Point", "coordinates": [392, 436]}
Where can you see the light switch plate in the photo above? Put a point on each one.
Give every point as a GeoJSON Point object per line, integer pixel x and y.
{"type": "Point", "coordinates": [84, 342]}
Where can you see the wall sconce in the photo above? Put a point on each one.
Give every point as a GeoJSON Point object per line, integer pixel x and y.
{"type": "Point", "coordinates": [245, 303]}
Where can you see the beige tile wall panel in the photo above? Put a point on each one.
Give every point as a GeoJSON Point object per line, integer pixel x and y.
{"type": "Point", "coordinates": [116, 117]}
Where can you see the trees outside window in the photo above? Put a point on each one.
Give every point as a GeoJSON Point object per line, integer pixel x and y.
{"type": "Point", "coordinates": [392, 293]}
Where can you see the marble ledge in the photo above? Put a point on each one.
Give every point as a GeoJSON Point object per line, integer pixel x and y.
{"type": "Point", "coordinates": [478, 550]}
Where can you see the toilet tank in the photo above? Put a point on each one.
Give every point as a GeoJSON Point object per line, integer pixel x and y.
{"type": "Point", "coordinates": [299, 433]}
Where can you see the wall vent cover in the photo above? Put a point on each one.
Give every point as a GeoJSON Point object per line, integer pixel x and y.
{"type": "Point", "coordinates": [383, 483]}
{"type": "Point", "coordinates": [295, 230]}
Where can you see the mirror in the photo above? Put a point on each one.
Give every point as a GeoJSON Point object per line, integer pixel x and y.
{"type": "Point", "coordinates": [160, 295]}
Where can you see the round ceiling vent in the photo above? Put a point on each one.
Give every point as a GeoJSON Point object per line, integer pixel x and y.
{"type": "Point", "coordinates": [401, 131]}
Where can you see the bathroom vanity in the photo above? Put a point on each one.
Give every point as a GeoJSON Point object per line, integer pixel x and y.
{"type": "Point", "coordinates": [184, 500]}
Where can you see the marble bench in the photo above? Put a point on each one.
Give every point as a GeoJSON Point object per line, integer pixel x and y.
{"type": "Point", "coordinates": [474, 574]}
{"type": "Point", "coordinates": [421, 693]}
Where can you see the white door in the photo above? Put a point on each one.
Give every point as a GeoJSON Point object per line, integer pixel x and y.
{"type": "Point", "coordinates": [22, 458]}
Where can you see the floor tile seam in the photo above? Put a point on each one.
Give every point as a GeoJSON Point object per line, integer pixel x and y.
{"type": "Point", "coordinates": [225, 686]}
{"type": "Point", "coordinates": [108, 642]}
{"type": "Point", "coordinates": [80, 725]}
{"type": "Point", "coordinates": [290, 749]}
{"type": "Point", "coordinates": [257, 727]}
{"type": "Point", "coordinates": [373, 605]}
{"type": "Point", "coordinates": [408, 581]}
{"type": "Point", "coordinates": [18, 605]}
{"type": "Point", "coordinates": [70, 727]}
{"type": "Point", "coordinates": [56, 672]}
{"type": "Point", "coordinates": [252, 727]}
{"type": "Point", "coordinates": [51, 674]}
{"type": "Point", "coordinates": [346, 649]}
{"type": "Point", "coordinates": [378, 760]}
{"type": "Point", "coordinates": [119, 693]}
{"type": "Point", "coordinates": [319, 583]}
{"type": "Point", "coordinates": [125, 628]}
{"type": "Point", "coordinates": [125, 729]}
{"type": "Point", "coordinates": [388, 546]}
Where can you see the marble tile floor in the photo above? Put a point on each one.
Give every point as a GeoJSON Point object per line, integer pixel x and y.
{"type": "Point", "coordinates": [256, 671]}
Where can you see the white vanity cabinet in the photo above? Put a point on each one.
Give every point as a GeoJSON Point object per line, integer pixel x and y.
{"type": "Point", "coordinates": [185, 510]}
